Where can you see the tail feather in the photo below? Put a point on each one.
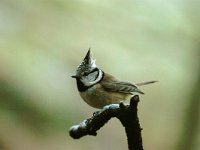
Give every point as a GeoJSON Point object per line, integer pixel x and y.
{"type": "Point", "coordinates": [145, 83]}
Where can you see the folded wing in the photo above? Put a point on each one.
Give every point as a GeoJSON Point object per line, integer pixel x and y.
{"type": "Point", "coordinates": [121, 86]}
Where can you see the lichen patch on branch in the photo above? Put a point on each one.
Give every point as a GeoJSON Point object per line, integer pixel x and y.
{"type": "Point", "coordinates": [127, 114]}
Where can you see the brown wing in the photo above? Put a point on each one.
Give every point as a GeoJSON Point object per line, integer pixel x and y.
{"type": "Point", "coordinates": [112, 84]}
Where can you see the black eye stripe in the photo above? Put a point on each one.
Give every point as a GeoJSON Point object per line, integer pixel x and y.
{"type": "Point", "coordinates": [95, 69]}
{"type": "Point", "coordinates": [97, 75]}
{"type": "Point", "coordinates": [87, 73]}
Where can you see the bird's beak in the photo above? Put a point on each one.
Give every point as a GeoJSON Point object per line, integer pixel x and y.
{"type": "Point", "coordinates": [74, 76]}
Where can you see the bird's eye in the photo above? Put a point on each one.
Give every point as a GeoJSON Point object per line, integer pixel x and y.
{"type": "Point", "coordinates": [85, 74]}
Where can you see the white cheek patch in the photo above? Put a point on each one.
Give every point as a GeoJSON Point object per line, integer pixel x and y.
{"type": "Point", "coordinates": [91, 76]}
{"type": "Point", "coordinates": [88, 81]}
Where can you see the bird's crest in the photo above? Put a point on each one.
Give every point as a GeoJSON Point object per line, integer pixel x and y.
{"type": "Point", "coordinates": [87, 64]}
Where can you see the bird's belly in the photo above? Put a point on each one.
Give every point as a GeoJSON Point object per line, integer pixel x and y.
{"type": "Point", "coordinates": [97, 97]}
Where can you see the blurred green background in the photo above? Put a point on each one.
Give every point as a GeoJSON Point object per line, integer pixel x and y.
{"type": "Point", "coordinates": [43, 41]}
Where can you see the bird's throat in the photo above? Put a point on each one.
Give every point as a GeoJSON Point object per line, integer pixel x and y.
{"type": "Point", "coordinates": [81, 87]}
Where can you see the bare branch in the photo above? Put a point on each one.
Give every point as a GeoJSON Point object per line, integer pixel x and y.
{"type": "Point", "coordinates": [127, 114]}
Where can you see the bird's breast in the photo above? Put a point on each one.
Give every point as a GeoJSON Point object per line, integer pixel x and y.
{"type": "Point", "coordinates": [97, 97]}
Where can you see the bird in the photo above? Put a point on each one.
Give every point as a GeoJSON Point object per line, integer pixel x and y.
{"type": "Point", "coordinates": [98, 88]}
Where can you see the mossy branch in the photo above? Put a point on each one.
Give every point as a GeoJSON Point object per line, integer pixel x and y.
{"type": "Point", "coordinates": [127, 114]}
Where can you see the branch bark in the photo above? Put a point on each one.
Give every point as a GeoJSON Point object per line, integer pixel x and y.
{"type": "Point", "coordinates": [127, 114]}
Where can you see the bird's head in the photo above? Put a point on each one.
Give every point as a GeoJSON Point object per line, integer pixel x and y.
{"type": "Point", "coordinates": [87, 72]}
